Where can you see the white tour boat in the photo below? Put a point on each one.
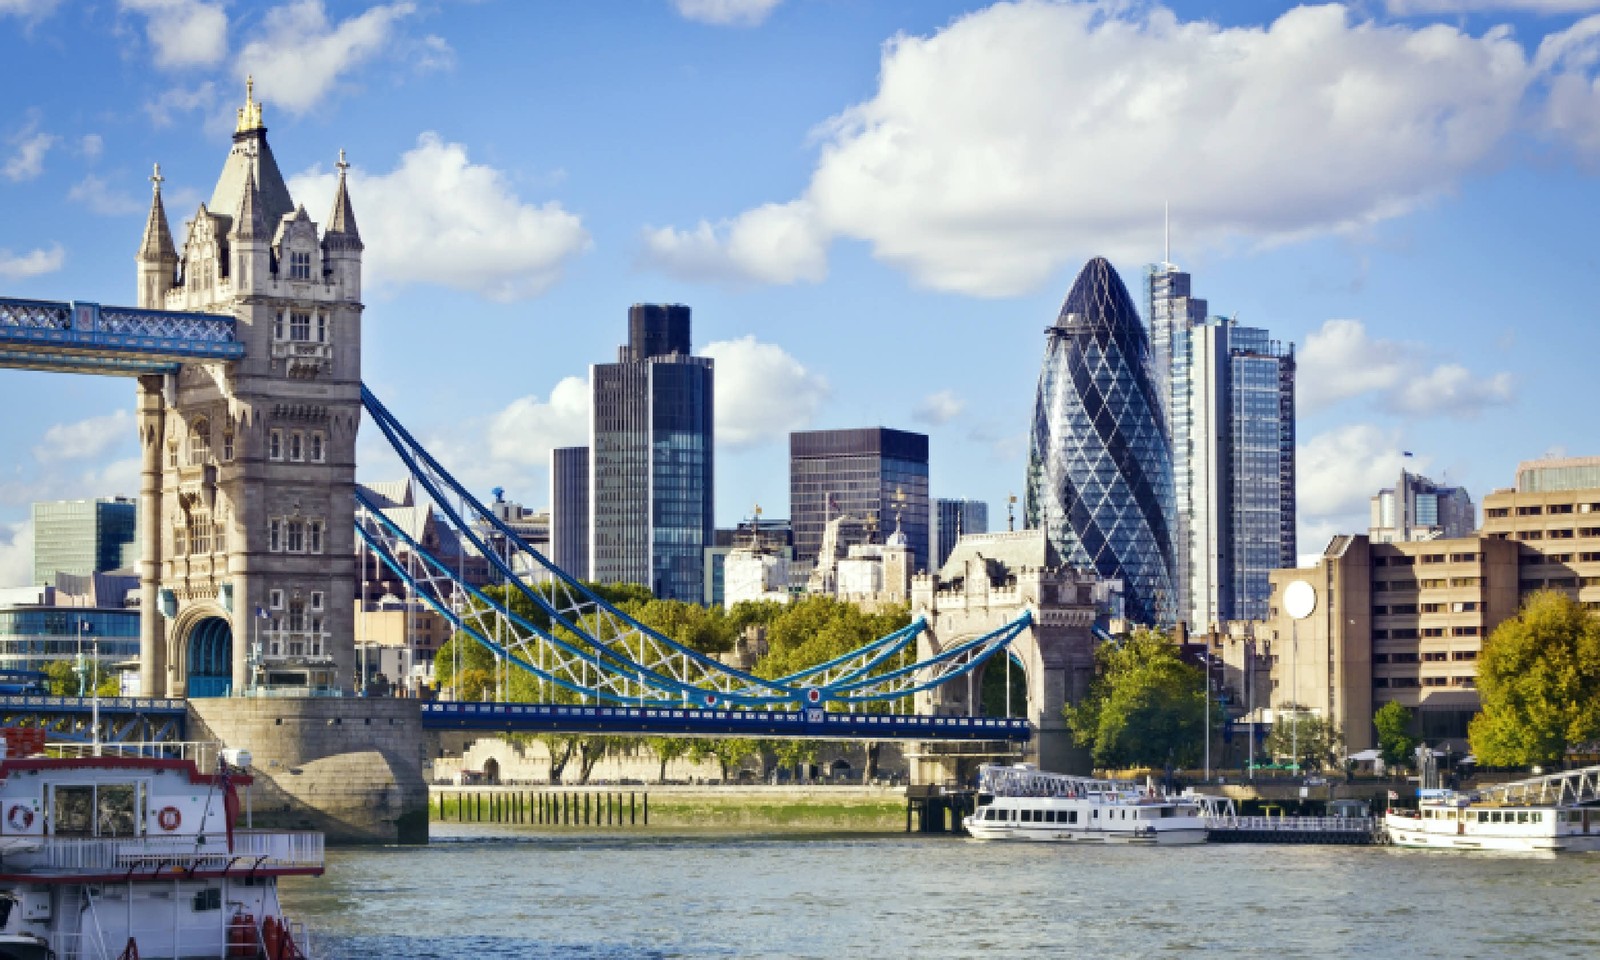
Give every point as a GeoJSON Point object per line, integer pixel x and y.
{"type": "Point", "coordinates": [1544, 814]}
{"type": "Point", "coordinates": [1023, 803]}
{"type": "Point", "coordinates": [134, 858]}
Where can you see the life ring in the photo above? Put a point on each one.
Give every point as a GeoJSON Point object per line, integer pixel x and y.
{"type": "Point", "coordinates": [169, 818]}
{"type": "Point", "coordinates": [19, 817]}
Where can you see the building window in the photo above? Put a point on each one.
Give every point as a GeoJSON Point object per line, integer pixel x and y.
{"type": "Point", "coordinates": [200, 441]}
{"type": "Point", "coordinates": [278, 332]}
{"type": "Point", "coordinates": [316, 599]}
{"type": "Point", "coordinates": [296, 446]}
{"type": "Point", "coordinates": [318, 453]}
{"type": "Point", "coordinates": [299, 265]}
{"type": "Point", "coordinates": [275, 535]}
{"type": "Point", "coordinates": [199, 534]}
{"type": "Point", "coordinates": [227, 446]}
{"type": "Point", "coordinates": [219, 535]}
{"type": "Point", "coordinates": [322, 328]}
{"type": "Point", "coordinates": [297, 615]}
{"type": "Point", "coordinates": [172, 454]}
{"type": "Point", "coordinates": [299, 326]}
{"type": "Point", "coordinates": [275, 599]}
{"type": "Point", "coordinates": [275, 445]}
{"type": "Point", "coordinates": [180, 541]}
{"type": "Point", "coordinates": [294, 537]}
{"type": "Point", "coordinates": [314, 536]}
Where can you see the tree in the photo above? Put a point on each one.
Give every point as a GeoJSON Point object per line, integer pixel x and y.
{"type": "Point", "coordinates": [1318, 742]}
{"type": "Point", "coordinates": [1145, 706]}
{"type": "Point", "coordinates": [1393, 724]}
{"type": "Point", "coordinates": [1539, 684]}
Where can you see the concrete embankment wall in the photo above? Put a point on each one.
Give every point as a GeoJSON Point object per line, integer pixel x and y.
{"type": "Point", "coordinates": [844, 808]}
{"type": "Point", "coordinates": [351, 768]}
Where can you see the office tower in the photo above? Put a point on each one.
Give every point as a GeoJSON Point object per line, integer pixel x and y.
{"type": "Point", "coordinates": [1228, 398]}
{"type": "Point", "coordinates": [871, 480]}
{"type": "Point", "coordinates": [1099, 468]}
{"type": "Point", "coordinates": [83, 537]}
{"type": "Point", "coordinates": [1416, 508]}
{"type": "Point", "coordinates": [953, 519]}
{"type": "Point", "coordinates": [569, 510]}
{"type": "Point", "coordinates": [650, 467]}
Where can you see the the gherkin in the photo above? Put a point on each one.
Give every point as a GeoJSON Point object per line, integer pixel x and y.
{"type": "Point", "coordinates": [1099, 462]}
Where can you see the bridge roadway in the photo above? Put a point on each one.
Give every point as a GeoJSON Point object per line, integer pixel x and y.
{"type": "Point", "coordinates": [682, 722]}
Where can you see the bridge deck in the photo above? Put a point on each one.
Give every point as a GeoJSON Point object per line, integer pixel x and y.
{"type": "Point", "coordinates": [83, 337]}
{"type": "Point", "coordinates": [671, 721]}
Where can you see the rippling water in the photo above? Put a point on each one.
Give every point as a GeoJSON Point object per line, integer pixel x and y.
{"type": "Point", "coordinates": [486, 895]}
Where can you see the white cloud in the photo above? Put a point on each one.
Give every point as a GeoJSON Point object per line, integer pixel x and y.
{"type": "Point", "coordinates": [31, 264]}
{"type": "Point", "coordinates": [1339, 471]}
{"type": "Point", "coordinates": [939, 408]}
{"type": "Point", "coordinates": [27, 9]}
{"type": "Point", "coordinates": [27, 160]}
{"type": "Point", "coordinates": [183, 33]}
{"type": "Point", "coordinates": [525, 431]}
{"type": "Point", "coordinates": [1428, 8]}
{"type": "Point", "coordinates": [163, 110]}
{"type": "Point", "coordinates": [16, 550]}
{"type": "Point", "coordinates": [439, 218]}
{"type": "Point", "coordinates": [1025, 137]}
{"type": "Point", "coordinates": [91, 146]}
{"type": "Point", "coordinates": [93, 192]}
{"type": "Point", "coordinates": [85, 438]}
{"type": "Point", "coordinates": [301, 55]}
{"type": "Point", "coordinates": [740, 13]}
{"type": "Point", "coordinates": [774, 243]}
{"type": "Point", "coordinates": [1341, 361]}
{"type": "Point", "coordinates": [762, 392]}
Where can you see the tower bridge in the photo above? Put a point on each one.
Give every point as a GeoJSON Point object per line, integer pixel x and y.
{"type": "Point", "coordinates": [245, 348]}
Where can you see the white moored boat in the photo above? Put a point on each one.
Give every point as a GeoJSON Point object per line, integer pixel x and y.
{"type": "Point", "coordinates": [1024, 803]}
{"type": "Point", "coordinates": [1544, 814]}
{"type": "Point", "coordinates": [108, 857]}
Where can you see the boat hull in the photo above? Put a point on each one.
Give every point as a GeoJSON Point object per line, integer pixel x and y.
{"type": "Point", "coordinates": [1407, 835]}
{"type": "Point", "coordinates": [1045, 833]}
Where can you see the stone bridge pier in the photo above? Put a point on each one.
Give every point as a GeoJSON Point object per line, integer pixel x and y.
{"type": "Point", "coordinates": [989, 581]}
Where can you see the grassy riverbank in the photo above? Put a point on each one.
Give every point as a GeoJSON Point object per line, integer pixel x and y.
{"type": "Point", "coordinates": [832, 809]}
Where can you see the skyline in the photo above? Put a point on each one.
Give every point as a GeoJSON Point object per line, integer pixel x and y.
{"type": "Point", "coordinates": [870, 214]}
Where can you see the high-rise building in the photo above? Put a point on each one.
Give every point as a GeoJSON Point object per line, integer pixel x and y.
{"type": "Point", "coordinates": [873, 480]}
{"type": "Point", "coordinates": [953, 519]}
{"type": "Point", "coordinates": [569, 510]}
{"type": "Point", "coordinates": [1416, 508]}
{"type": "Point", "coordinates": [83, 537]}
{"type": "Point", "coordinates": [1099, 467]}
{"type": "Point", "coordinates": [650, 467]}
{"type": "Point", "coordinates": [1228, 397]}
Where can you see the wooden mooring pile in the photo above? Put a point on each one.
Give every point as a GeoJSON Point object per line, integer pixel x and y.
{"type": "Point", "coordinates": [935, 810]}
{"type": "Point", "coordinates": [568, 808]}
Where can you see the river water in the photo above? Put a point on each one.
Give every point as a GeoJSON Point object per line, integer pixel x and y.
{"type": "Point", "coordinates": [485, 893]}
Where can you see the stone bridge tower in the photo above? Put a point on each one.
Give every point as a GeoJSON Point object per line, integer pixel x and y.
{"type": "Point", "coordinates": [989, 580]}
{"type": "Point", "coordinates": [246, 498]}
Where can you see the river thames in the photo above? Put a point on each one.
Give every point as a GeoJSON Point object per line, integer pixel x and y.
{"type": "Point", "coordinates": [487, 893]}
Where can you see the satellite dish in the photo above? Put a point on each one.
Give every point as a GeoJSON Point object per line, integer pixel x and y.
{"type": "Point", "coordinates": [1299, 599]}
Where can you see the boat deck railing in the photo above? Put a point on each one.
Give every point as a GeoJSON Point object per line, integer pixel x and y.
{"type": "Point", "coordinates": [252, 849]}
{"type": "Point", "coordinates": [1293, 824]}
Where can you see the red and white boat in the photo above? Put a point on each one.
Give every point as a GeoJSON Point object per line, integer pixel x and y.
{"type": "Point", "coordinates": [118, 858]}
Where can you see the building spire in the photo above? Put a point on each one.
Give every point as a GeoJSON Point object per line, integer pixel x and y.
{"type": "Point", "coordinates": [157, 247]}
{"type": "Point", "coordinates": [341, 227]}
{"type": "Point", "coordinates": [250, 222]}
{"type": "Point", "coordinates": [250, 113]}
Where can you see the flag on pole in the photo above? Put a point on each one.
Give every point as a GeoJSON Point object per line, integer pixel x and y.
{"type": "Point", "coordinates": [1393, 795]}
{"type": "Point", "coordinates": [261, 612]}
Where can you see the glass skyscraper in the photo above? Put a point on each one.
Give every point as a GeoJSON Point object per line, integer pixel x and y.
{"type": "Point", "coordinates": [953, 519]}
{"type": "Point", "coordinates": [569, 510]}
{"type": "Point", "coordinates": [83, 536]}
{"type": "Point", "coordinates": [1099, 467]}
{"type": "Point", "coordinates": [875, 476]}
{"type": "Point", "coordinates": [650, 463]}
{"type": "Point", "coordinates": [1228, 395]}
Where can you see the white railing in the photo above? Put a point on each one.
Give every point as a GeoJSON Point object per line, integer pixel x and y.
{"type": "Point", "coordinates": [251, 848]}
{"type": "Point", "coordinates": [1293, 824]}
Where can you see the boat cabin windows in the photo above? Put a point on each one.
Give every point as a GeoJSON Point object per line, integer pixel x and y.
{"type": "Point", "coordinates": [95, 810]}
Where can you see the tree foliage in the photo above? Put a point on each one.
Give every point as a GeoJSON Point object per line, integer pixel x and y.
{"type": "Point", "coordinates": [1308, 741]}
{"type": "Point", "coordinates": [1539, 684]}
{"type": "Point", "coordinates": [1392, 721]}
{"type": "Point", "coordinates": [1146, 707]}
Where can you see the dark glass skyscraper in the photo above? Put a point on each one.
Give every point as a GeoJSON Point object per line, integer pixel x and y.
{"type": "Point", "coordinates": [1099, 467]}
{"type": "Point", "coordinates": [650, 462]}
{"type": "Point", "coordinates": [83, 537]}
{"type": "Point", "coordinates": [872, 475]}
{"type": "Point", "coordinates": [569, 510]}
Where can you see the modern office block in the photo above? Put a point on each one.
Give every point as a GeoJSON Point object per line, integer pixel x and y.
{"type": "Point", "coordinates": [953, 519]}
{"type": "Point", "coordinates": [83, 537]}
{"type": "Point", "coordinates": [1416, 508]}
{"type": "Point", "coordinates": [872, 480]}
{"type": "Point", "coordinates": [569, 510]}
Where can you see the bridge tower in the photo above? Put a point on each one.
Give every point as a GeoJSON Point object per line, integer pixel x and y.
{"type": "Point", "coordinates": [246, 497]}
{"type": "Point", "coordinates": [989, 580]}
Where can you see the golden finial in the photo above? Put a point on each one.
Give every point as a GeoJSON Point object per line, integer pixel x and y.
{"type": "Point", "coordinates": [250, 113]}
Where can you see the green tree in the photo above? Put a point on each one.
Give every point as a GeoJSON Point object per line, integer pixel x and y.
{"type": "Point", "coordinates": [1539, 684]}
{"type": "Point", "coordinates": [1317, 742]}
{"type": "Point", "coordinates": [1392, 722]}
{"type": "Point", "coordinates": [1144, 707]}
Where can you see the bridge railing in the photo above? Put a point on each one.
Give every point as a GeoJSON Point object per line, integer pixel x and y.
{"type": "Point", "coordinates": [85, 704]}
{"type": "Point", "coordinates": [251, 848]}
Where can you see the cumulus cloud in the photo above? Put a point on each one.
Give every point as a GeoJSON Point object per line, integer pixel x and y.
{"type": "Point", "coordinates": [738, 13]}
{"type": "Point", "coordinates": [1341, 361]}
{"type": "Point", "coordinates": [85, 438]}
{"type": "Point", "coordinates": [16, 548]}
{"type": "Point", "coordinates": [31, 264]}
{"type": "Point", "coordinates": [166, 108]}
{"type": "Point", "coordinates": [1338, 473]}
{"type": "Point", "coordinates": [91, 146]}
{"type": "Point", "coordinates": [183, 33]}
{"type": "Point", "coordinates": [301, 55]}
{"type": "Point", "coordinates": [1429, 8]}
{"type": "Point", "coordinates": [774, 243]}
{"type": "Point", "coordinates": [93, 192]}
{"type": "Point", "coordinates": [437, 217]}
{"type": "Point", "coordinates": [762, 392]}
{"type": "Point", "coordinates": [27, 156]}
{"type": "Point", "coordinates": [939, 408]}
{"type": "Point", "coordinates": [525, 431]}
{"type": "Point", "coordinates": [1024, 137]}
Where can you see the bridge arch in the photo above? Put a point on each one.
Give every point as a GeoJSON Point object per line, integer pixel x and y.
{"type": "Point", "coordinates": [205, 644]}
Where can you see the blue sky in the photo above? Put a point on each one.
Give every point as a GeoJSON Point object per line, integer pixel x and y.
{"type": "Point", "coordinates": [873, 208]}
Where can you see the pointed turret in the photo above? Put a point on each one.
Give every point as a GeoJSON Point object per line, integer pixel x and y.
{"type": "Point", "coordinates": [341, 232]}
{"type": "Point", "coordinates": [157, 257]}
{"type": "Point", "coordinates": [251, 157]}
{"type": "Point", "coordinates": [249, 224]}
{"type": "Point", "coordinates": [251, 241]}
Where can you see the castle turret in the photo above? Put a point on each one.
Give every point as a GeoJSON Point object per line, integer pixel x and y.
{"type": "Point", "coordinates": [157, 257]}
{"type": "Point", "coordinates": [341, 240]}
{"type": "Point", "coordinates": [252, 244]}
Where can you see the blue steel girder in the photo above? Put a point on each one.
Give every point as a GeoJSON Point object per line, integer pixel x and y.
{"type": "Point", "coordinates": [122, 719]}
{"type": "Point", "coordinates": [83, 337]}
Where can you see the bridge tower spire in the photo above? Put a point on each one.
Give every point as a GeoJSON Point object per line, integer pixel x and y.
{"type": "Point", "coordinates": [247, 495]}
{"type": "Point", "coordinates": [157, 257]}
